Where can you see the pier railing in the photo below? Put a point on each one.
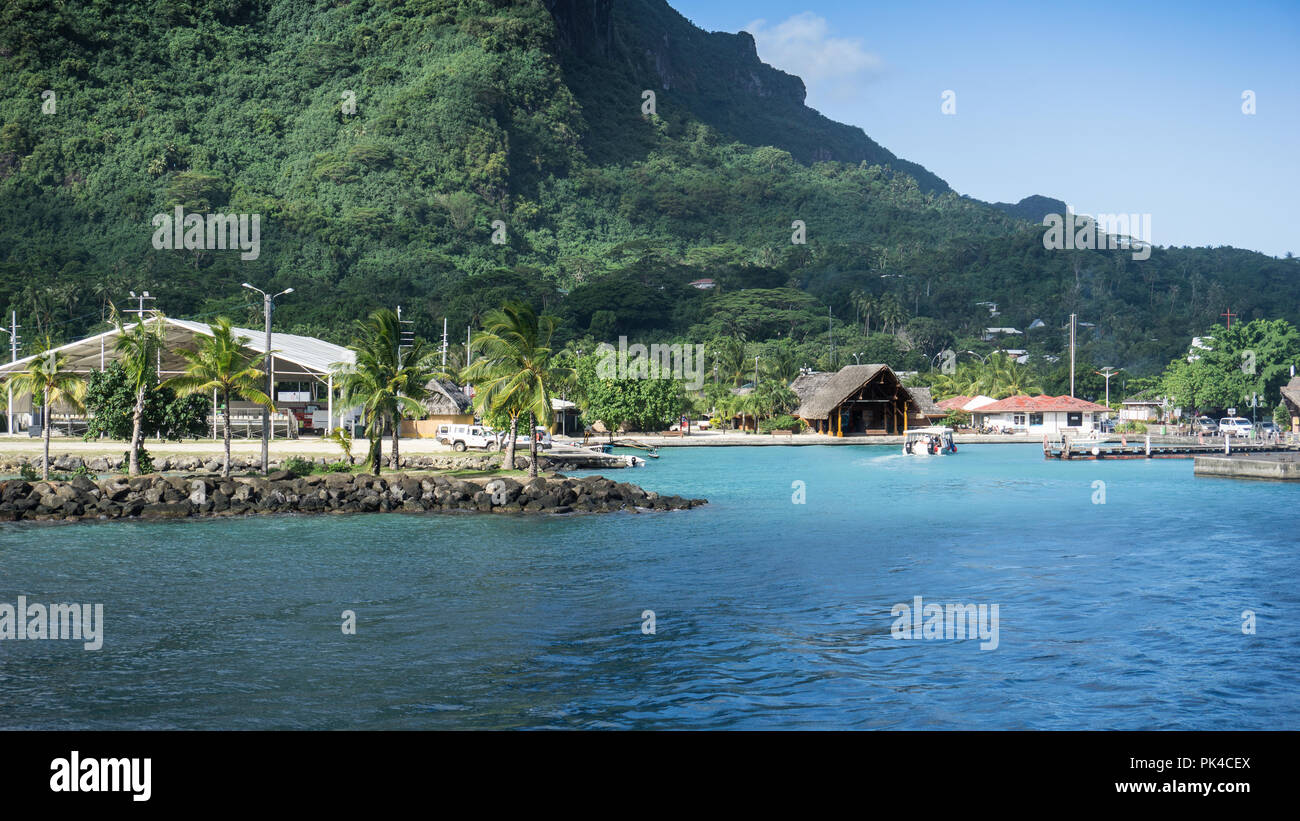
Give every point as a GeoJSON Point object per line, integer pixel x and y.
{"type": "Point", "coordinates": [1143, 446]}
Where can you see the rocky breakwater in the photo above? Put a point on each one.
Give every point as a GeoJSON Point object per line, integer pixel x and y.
{"type": "Point", "coordinates": [176, 497]}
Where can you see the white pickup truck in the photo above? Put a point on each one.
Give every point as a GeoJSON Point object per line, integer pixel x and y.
{"type": "Point", "coordinates": [461, 437]}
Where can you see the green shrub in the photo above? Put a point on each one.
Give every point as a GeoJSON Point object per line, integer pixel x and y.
{"type": "Point", "coordinates": [298, 466]}
{"type": "Point", "coordinates": [785, 422]}
{"type": "Point", "coordinates": [957, 419]}
{"type": "Point", "coordinates": [1131, 426]}
{"type": "Point", "coordinates": [145, 459]}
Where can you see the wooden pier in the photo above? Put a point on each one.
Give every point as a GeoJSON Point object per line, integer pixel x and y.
{"type": "Point", "coordinates": [1143, 448]}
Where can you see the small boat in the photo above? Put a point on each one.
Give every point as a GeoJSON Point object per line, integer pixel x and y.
{"type": "Point", "coordinates": [931, 441]}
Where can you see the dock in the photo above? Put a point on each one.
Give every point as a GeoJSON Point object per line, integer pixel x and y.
{"type": "Point", "coordinates": [1276, 466]}
{"type": "Point", "coordinates": [1067, 448]}
{"type": "Point", "coordinates": [574, 457]}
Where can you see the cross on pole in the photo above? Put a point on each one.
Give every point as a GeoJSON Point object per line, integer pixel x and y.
{"type": "Point", "coordinates": [1229, 314]}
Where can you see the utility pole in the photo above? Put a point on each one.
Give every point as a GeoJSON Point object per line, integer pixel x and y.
{"type": "Point", "coordinates": [1073, 317]}
{"type": "Point", "coordinates": [830, 330]}
{"type": "Point", "coordinates": [267, 302]}
{"type": "Point", "coordinates": [12, 330]}
{"type": "Point", "coordinates": [444, 343]}
{"type": "Point", "coordinates": [405, 335]}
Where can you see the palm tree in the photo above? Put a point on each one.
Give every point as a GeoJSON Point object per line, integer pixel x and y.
{"type": "Point", "coordinates": [864, 303]}
{"type": "Point", "coordinates": [516, 371]}
{"type": "Point", "coordinates": [385, 381]}
{"type": "Point", "coordinates": [730, 360]}
{"type": "Point", "coordinates": [892, 313]}
{"type": "Point", "coordinates": [781, 363]}
{"type": "Point", "coordinates": [773, 398]}
{"type": "Point", "coordinates": [220, 364]}
{"type": "Point", "coordinates": [138, 347]}
{"type": "Point", "coordinates": [1001, 376]}
{"type": "Point", "coordinates": [48, 375]}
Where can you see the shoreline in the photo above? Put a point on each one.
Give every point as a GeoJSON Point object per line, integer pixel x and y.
{"type": "Point", "coordinates": [158, 497]}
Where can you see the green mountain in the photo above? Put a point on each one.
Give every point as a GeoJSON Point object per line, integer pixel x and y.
{"type": "Point", "coordinates": [385, 145]}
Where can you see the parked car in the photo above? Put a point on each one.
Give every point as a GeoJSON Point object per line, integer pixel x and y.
{"type": "Point", "coordinates": [1235, 426]}
{"type": "Point", "coordinates": [461, 437]}
{"type": "Point", "coordinates": [1204, 424]}
{"type": "Point", "coordinates": [542, 434]}
{"type": "Point", "coordinates": [1268, 428]}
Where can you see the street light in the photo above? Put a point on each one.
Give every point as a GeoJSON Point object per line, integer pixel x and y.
{"type": "Point", "coordinates": [1108, 372]}
{"type": "Point", "coordinates": [267, 299]}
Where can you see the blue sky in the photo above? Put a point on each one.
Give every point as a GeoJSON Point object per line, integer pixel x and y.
{"type": "Point", "coordinates": [1111, 107]}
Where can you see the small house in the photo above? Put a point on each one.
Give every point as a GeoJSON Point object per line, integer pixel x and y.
{"type": "Point", "coordinates": [1042, 414]}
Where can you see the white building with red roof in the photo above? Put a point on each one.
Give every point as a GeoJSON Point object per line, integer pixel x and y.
{"type": "Point", "coordinates": [1042, 414]}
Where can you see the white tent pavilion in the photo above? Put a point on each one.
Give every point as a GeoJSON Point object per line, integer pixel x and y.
{"type": "Point", "coordinates": [297, 358]}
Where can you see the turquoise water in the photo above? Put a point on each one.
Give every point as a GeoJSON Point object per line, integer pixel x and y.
{"type": "Point", "coordinates": [768, 614]}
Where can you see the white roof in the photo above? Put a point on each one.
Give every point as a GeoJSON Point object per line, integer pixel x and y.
{"type": "Point", "coordinates": [294, 355]}
{"type": "Point", "coordinates": [308, 351]}
{"type": "Point", "coordinates": [978, 402]}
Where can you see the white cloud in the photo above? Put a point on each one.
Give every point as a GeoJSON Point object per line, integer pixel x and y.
{"type": "Point", "coordinates": [802, 45]}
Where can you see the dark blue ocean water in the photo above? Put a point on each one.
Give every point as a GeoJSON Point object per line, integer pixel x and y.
{"type": "Point", "coordinates": [768, 614]}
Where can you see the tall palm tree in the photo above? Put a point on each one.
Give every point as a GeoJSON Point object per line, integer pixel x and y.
{"type": "Point", "coordinates": [865, 304]}
{"type": "Point", "coordinates": [220, 364]}
{"type": "Point", "coordinates": [138, 347]}
{"type": "Point", "coordinates": [387, 382]}
{"type": "Point", "coordinates": [48, 375]}
{"type": "Point", "coordinates": [891, 311]}
{"type": "Point", "coordinates": [516, 371]}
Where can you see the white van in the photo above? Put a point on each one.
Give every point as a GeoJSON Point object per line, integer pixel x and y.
{"type": "Point", "coordinates": [1235, 426]}
{"type": "Point", "coordinates": [461, 437]}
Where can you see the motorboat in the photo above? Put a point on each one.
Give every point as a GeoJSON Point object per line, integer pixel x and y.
{"type": "Point", "coordinates": [929, 441]}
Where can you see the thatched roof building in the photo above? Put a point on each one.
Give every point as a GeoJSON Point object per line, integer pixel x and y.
{"type": "Point", "coordinates": [925, 400]}
{"type": "Point", "coordinates": [445, 399]}
{"type": "Point", "coordinates": [809, 383]}
{"type": "Point", "coordinates": [865, 399]}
